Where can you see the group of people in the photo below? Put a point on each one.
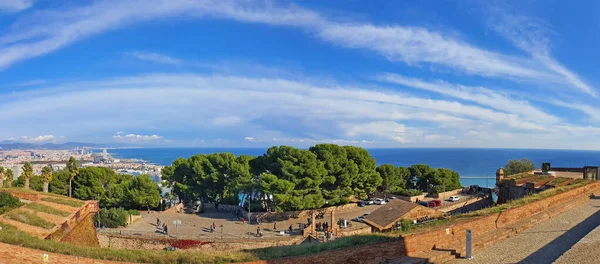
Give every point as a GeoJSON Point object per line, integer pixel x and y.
{"type": "Point", "coordinates": [322, 226]}
{"type": "Point", "coordinates": [161, 228]}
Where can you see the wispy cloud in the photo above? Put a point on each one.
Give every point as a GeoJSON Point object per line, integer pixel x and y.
{"type": "Point", "coordinates": [156, 58]}
{"type": "Point", "coordinates": [480, 95]}
{"type": "Point", "coordinates": [15, 5]}
{"type": "Point", "coordinates": [270, 108]}
{"type": "Point", "coordinates": [531, 35]}
{"type": "Point", "coordinates": [47, 31]}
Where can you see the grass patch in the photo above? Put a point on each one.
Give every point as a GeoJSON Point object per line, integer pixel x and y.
{"type": "Point", "coordinates": [12, 235]}
{"type": "Point", "coordinates": [71, 203]}
{"type": "Point", "coordinates": [308, 249]}
{"type": "Point", "coordinates": [558, 181]}
{"type": "Point", "coordinates": [29, 218]}
{"type": "Point", "coordinates": [519, 176]}
{"type": "Point", "coordinates": [46, 209]}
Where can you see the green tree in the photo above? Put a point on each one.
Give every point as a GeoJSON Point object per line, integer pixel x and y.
{"type": "Point", "coordinates": [9, 177]}
{"type": "Point", "coordinates": [27, 173]}
{"type": "Point", "coordinates": [393, 178]}
{"type": "Point", "coordinates": [72, 168]}
{"type": "Point", "coordinates": [59, 183]}
{"type": "Point", "coordinates": [341, 172]}
{"type": "Point", "coordinates": [145, 192]}
{"type": "Point", "coordinates": [515, 166]}
{"type": "Point", "coordinates": [2, 172]}
{"type": "Point", "coordinates": [368, 179]}
{"type": "Point", "coordinates": [300, 167]}
{"type": "Point", "coordinates": [47, 176]}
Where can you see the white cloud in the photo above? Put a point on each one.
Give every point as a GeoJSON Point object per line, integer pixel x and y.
{"type": "Point", "coordinates": [226, 120]}
{"type": "Point", "coordinates": [15, 5]}
{"type": "Point", "coordinates": [251, 139]}
{"type": "Point", "coordinates": [532, 35]}
{"type": "Point", "coordinates": [43, 32]}
{"type": "Point", "coordinates": [480, 95]}
{"type": "Point", "coordinates": [134, 137]}
{"type": "Point", "coordinates": [308, 112]}
{"type": "Point", "coordinates": [38, 139]}
{"type": "Point", "coordinates": [156, 58]}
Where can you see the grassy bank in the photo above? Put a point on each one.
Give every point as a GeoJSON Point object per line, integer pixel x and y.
{"type": "Point", "coordinates": [29, 218]}
{"type": "Point", "coordinates": [46, 209]}
{"type": "Point", "coordinates": [72, 203]}
{"type": "Point", "coordinates": [308, 249]}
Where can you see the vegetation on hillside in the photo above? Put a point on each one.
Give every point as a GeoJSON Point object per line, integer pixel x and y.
{"type": "Point", "coordinates": [8, 202]}
{"type": "Point", "coordinates": [515, 166]}
{"type": "Point", "coordinates": [29, 218]}
{"type": "Point", "coordinates": [68, 202]}
{"type": "Point", "coordinates": [46, 209]}
{"type": "Point", "coordinates": [295, 179]}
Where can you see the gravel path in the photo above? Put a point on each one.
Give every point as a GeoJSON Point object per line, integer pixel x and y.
{"type": "Point", "coordinates": [571, 237]}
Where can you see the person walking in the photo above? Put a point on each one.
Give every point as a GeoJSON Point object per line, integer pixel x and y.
{"type": "Point", "coordinates": [275, 226]}
{"type": "Point", "coordinates": [166, 230]}
{"type": "Point", "coordinates": [214, 226]}
{"type": "Point", "coordinates": [258, 230]}
{"type": "Point", "coordinates": [157, 221]}
{"type": "Point", "coordinates": [291, 229]}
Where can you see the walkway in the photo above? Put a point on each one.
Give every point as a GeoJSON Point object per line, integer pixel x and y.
{"type": "Point", "coordinates": [571, 237]}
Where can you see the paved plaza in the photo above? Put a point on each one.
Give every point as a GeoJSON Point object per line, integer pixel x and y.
{"type": "Point", "coordinates": [571, 237]}
{"type": "Point", "coordinates": [197, 226]}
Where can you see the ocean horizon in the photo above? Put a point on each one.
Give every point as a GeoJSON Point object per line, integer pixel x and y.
{"type": "Point", "coordinates": [468, 162]}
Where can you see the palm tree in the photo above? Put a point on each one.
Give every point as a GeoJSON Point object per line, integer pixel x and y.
{"type": "Point", "coordinates": [1, 176]}
{"type": "Point", "coordinates": [27, 173]}
{"type": "Point", "coordinates": [9, 176]}
{"type": "Point", "coordinates": [72, 167]}
{"type": "Point", "coordinates": [47, 175]}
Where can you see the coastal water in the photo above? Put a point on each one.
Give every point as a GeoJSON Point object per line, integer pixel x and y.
{"type": "Point", "coordinates": [476, 166]}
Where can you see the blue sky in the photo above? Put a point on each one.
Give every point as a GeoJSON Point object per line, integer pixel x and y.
{"type": "Point", "coordinates": [497, 74]}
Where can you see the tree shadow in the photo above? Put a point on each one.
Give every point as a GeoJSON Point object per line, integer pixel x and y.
{"type": "Point", "coordinates": [553, 250]}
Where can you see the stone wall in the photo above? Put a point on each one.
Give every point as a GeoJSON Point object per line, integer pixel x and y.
{"type": "Point", "coordinates": [411, 199]}
{"type": "Point", "coordinates": [352, 232]}
{"type": "Point", "coordinates": [446, 195]}
{"type": "Point", "coordinates": [90, 207]}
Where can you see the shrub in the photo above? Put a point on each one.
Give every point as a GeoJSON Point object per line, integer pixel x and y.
{"type": "Point", "coordinates": [409, 192]}
{"type": "Point", "coordinates": [113, 217]}
{"type": "Point", "coordinates": [133, 212]}
{"type": "Point", "coordinates": [8, 202]}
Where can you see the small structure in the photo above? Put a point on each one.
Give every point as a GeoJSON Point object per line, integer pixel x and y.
{"type": "Point", "coordinates": [388, 215]}
{"type": "Point", "coordinates": [499, 175]}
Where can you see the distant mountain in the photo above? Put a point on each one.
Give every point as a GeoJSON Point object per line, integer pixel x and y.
{"type": "Point", "coordinates": [8, 144]}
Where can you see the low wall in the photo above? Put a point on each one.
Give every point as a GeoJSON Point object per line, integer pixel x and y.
{"type": "Point", "coordinates": [411, 199]}
{"type": "Point", "coordinates": [130, 219]}
{"type": "Point", "coordinates": [446, 195]}
{"type": "Point", "coordinates": [274, 216]}
{"type": "Point", "coordinates": [352, 232]}
{"type": "Point", "coordinates": [456, 233]}
{"type": "Point", "coordinates": [127, 242]}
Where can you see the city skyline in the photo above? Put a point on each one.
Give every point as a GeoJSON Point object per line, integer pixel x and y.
{"type": "Point", "coordinates": [261, 73]}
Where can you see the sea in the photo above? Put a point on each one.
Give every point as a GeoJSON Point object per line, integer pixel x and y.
{"type": "Point", "coordinates": [475, 166]}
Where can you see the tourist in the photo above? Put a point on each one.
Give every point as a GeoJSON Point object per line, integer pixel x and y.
{"type": "Point", "coordinates": [258, 230]}
{"type": "Point", "coordinates": [290, 228]}
{"type": "Point", "coordinates": [214, 226]}
{"type": "Point", "coordinates": [275, 226]}
{"type": "Point", "coordinates": [243, 220]}
{"type": "Point", "coordinates": [157, 221]}
{"type": "Point", "coordinates": [165, 230]}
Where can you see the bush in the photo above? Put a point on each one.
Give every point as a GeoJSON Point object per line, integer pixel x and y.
{"type": "Point", "coordinates": [133, 212]}
{"type": "Point", "coordinates": [113, 217]}
{"type": "Point", "coordinates": [8, 202]}
{"type": "Point", "coordinates": [409, 192]}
